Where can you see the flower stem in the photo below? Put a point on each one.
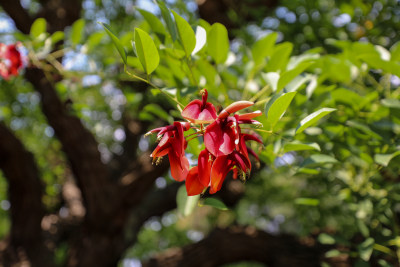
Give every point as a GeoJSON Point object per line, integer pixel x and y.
{"type": "Point", "coordinates": [153, 85]}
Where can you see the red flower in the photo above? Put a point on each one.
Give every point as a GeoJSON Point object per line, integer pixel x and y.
{"type": "Point", "coordinates": [10, 60]}
{"type": "Point", "coordinates": [173, 143]}
{"type": "Point", "coordinates": [199, 176]}
{"type": "Point", "coordinates": [200, 111]}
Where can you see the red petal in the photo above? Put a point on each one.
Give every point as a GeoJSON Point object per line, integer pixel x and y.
{"type": "Point", "coordinates": [179, 166]}
{"type": "Point", "coordinates": [249, 116]}
{"type": "Point", "coordinates": [219, 138]}
{"type": "Point", "coordinates": [193, 185]}
{"type": "Point", "coordinates": [232, 108]}
{"type": "Point", "coordinates": [204, 164]}
{"type": "Point", "coordinates": [192, 110]}
{"type": "Point", "coordinates": [222, 165]}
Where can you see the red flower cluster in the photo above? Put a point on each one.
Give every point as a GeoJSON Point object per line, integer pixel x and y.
{"type": "Point", "coordinates": [225, 144]}
{"type": "Point", "coordinates": [10, 60]}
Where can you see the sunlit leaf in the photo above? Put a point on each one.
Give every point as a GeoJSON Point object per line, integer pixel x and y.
{"type": "Point", "coordinates": [77, 31]}
{"type": "Point", "coordinates": [218, 43]}
{"type": "Point", "coordinates": [365, 248]}
{"type": "Point", "coordinates": [166, 14]}
{"type": "Point", "coordinates": [38, 27]}
{"type": "Point", "coordinates": [326, 239]}
{"type": "Point", "coordinates": [318, 159]}
{"type": "Point", "coordinates": [280, 57]}
{"type": "Point", "coordinates": [277, 107]}
{"type": "Point", "coordinates": [384, 159]}
{"type": "Point", "coordinates": [312, 119]}
{"type": "Point", "coordinates": [263, 47]}
{"type": "Point", "coordinates": [186, 34]}
{"type": "Point", "coordinates": [146, 51]}
{"type": "Point", "coordinates": [155, 24]}
{"type": "Point", "coordinates": [186, 204]}
{"type": "Point", "coordinates": [201, 39]}
{"type": "Point", "coordinates": [307, 201]}
{"type": "Point", "coordinates": [298, 146]}
{"type": "Point", "coordinates": [391, 103]}
{"type": "Point", "coordinates": [116, 41]}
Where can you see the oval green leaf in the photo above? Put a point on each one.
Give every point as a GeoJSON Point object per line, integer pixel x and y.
{"type": "Point", "coordinates": [116, 41]}
{"type": "Point", "coordinates": [155, 24]}
{"type": "Point", "coordinates": [38, 27]}
{"type": "Point", "coordinates": [146, 51]}
{"type": "Point", "coordinates": [277, 106]}
{"type": "Point", "coordinates": [312, 119]}
{"type": "Point", "coordinates": [186, 34]}
{"type": "Point", "coordinates": [77, 31]}
{"type": "Point", "coordinates": [263, 47]}
{"type": "Point", "coordinates": [215, 203]}
{"type": "Point", "coordinates": [218, 43]}
{"type": "Point", "coordinates": [297, 146]}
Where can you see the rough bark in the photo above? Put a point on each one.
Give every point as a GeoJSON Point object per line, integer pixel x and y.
{"type": "Point", "coordinates": [240, 243]}
{"type": "Point", "coordinates": [25, 195]}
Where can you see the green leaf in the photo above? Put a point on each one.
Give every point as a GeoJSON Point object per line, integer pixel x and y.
{"type": "Point", "coordinates": [277, 107]}
{"type": "Point", "coordinates": [146, 51]}
{"type": "Point", "coordinates": [272, 79]}
{"type": "Point", "coordinates": [186, 34]}
{"type": "Point", "coordinates": [318, 159]}
{"type": "Point", "coordinates": [155, 24]}
{"type": "Point", "coordinates": [115, 40]}
{"type": "Point", "coordinates": [218, 43]}
{"type": "Point", "coordinates": [391, 103]}
{"type": "Point", "coordinates": [312, 119]}
{"type": "Point", "coordinates": [166, 14]}
{"type": "Point", "coordinates": [77, 31]}
{"type": "Point", "coordinates": [159, 112]}
{"type": "Point", "coordinates": [395, 52]}
{"type": "Point", "coordinates": [215, 203]}
{"type": "Point", "coordinates": [263, 47]}
{"type": "Point", "coordinates": [38, 27]}
{"type": "Point", "coordinates": [94, 39]}
{"type": "Point", "coordinates": [384, 159]}
{"type": "Point", "coordinates": [201, 39]}
{"type": "Point", "coordinates": [365, 248]}
{"type": "Point", "coordinates": [326, 239]}
{"type": "Point", "coordinates": [307, 201]}
{"type": "Point", "coordinates": [57, 36]}
{"type": "Point", "coordinates": [186, 204]}
{"type": "Point", "coordinates": [288, 76]}
{"type": "Point", "coordinates": [298, 146]}
{"type": "Point", "coordinates": [280, 57]}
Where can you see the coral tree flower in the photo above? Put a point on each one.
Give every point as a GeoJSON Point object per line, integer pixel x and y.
{"type": "Point", "coordinates": [172, 142]}
{"type": "Point", "coordinates": [200, 111]}
{"type": "Point", "coordinates": [10, 60]}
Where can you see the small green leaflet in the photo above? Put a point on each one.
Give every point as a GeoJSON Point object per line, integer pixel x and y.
{"type": "Point", "coordinates": [318, 160]}
{"type": "Point", "coordinates": [146, 51]}
{"type": "Point", "coordinates": [263, 47]}
{"type": "Point", "coordinates": [38, 27]}
{"type": "Point", "coordinates": [312, 119]}
{"type": "Point", "coordinates": [218, 43]}
{"type": "Point", "coordinates": [365, 248]}
{"type": "Point", "coordinates": [391, 103]}
{"type": "Point", "coordinates": [297, 146]}
{"type": "Point", "coordinates": [215, 203]}
{"type": "Point", "coordinates": [155, 24]}
{"type": "Point", "coordinates": [186, 204]}
{"type": "Point", "coordinates": [277, 106]}
{"type": "Point", "coordinates": [185, 34]}
{"type": "Point", "coordinates": [165, 13]}
{"type": "Point", "coordinates": [326, 239]}
{"type": "Point", "coordinates": [77, 31]}
{"type": "Point", "coordinates": [384, 159]}
{"type": "Point", "coordinates": [307, 201]}
{"type": "Point", "coordinates": [116, 41]}
{"type": "Point", "coordinates": [201, 39]}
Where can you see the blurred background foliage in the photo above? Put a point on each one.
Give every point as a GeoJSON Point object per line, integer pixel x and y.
{"type": "Point", "coordinates": [336, 181]}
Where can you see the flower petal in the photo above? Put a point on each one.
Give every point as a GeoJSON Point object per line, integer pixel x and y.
{"type": "Point", "coordinates": [193, 185]}
{"type": "Point", "coordinates": [222, 165]}
{"type": "Point", "coordinates": [204, 165]}
{"type": "Point", "coordinates": [179, 166]}
{"type": "Point", "coordinates": [219, 138]}
{"type": "Point", "coordinates": [232, 108]}
{"type": "Point", "coordinates": [249, 116]}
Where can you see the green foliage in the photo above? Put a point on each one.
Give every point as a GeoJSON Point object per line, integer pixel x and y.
{"type": "Point", "coordinates": [218, 43]}
{"type": "Point", "coordinates": [116, 42]}
{"type": "Point", "coordinates": [146, 51]}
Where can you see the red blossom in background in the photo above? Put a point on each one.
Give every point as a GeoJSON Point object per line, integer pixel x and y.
{"type": "Point", "coordinates": [10, 60]}
{"type": "Point", "coordinates": [225, 144]}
